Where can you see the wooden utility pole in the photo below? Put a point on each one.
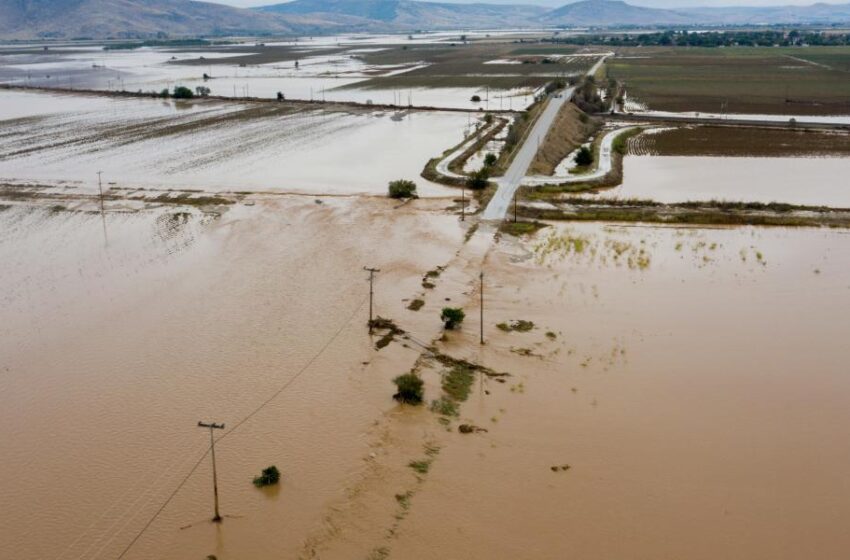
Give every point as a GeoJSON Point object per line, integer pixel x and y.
{"type": "Point", "coordinates": [481, 277]}
{"type": "Point", "coordinates": [371, 272]}
{"type": "Point", "coordinates": [213, 426]}
{"type": "Point", "coordinates": [462, 203]}
{"type": "Point", "coordinates": [100, 188]}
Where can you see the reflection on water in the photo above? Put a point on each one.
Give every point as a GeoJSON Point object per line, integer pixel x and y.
{"type": "Point", "coordinates": [808, 181]}
{"type": "Point", "coordinates": [219, 146]}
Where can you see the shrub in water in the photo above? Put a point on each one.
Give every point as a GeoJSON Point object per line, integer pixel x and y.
{"type": "Point", "coordinates": [402, 188]}
{"type": "Point", "coordinates": [452, 317]}
{"type": "Point", "coordinates": [269, 477]}
{"type": "Point", "coordinates": [409, 388]}
{"type": "Point", "coordinates": [182, 92]}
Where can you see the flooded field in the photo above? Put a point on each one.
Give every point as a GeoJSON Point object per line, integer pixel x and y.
{"type": "Point", "coordinates": [111, 353]}
{"type": "Point", "coordinates": [332, 70]}
{"type": "Point", "coordinates": [119, 337]}
{"type": "Point", "coordinates": [140, 143]}
{"type": "Point", "coordinates": [636, 423]}
{"type": "Point", "coordinates": [797, 180]}
{"type": "Point", "coordinates": [611, 391]}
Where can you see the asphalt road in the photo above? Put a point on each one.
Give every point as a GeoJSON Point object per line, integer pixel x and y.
{"type": "Point", "coordinates": [497, 209]}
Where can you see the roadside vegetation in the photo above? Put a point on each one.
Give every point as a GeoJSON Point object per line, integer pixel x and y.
{"type": "Point", "coordinates": [571, 128]}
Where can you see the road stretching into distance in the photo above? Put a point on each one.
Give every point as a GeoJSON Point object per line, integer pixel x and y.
{"type": "Point", "coordinates": [497, 209]}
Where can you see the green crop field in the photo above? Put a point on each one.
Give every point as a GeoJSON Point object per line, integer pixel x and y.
{"type": "Point", "coordinates": [805, 81]}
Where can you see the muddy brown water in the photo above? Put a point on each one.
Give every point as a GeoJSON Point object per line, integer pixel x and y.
{"type": "Point", "coordinates": [110, 357]}
{"type": "Point", "coordinates": [699, 399]}
{"type": "Point", "coordinates": [695, 386]}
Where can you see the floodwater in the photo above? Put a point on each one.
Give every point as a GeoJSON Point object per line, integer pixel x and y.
{"type": "Point", "coordinates": [808, 181]}
{"type": "Point", "coordinates": [217, 146]}
{"type": "Point", "coordinates": [318, 76]}
{"type": "Point", "coordinates": [696, 388]}
{"type": "Point", "coordinates": [678, 430]}
{"type": "Point", "coordinates": [111, 353]}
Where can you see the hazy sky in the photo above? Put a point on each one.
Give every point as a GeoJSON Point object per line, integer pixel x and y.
{"type": "Point", "coordinates": [555, 3]}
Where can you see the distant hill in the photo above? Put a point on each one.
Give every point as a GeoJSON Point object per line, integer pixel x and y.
{"type": "Point", "coordinates": [751, 15]}
{"type": "Point", "coordinates": [411, 14]}
{"type": "Point", "coordinates": [612, 13]}
{"type": "Point", "coordinates": [128, 18]}
{"type": "Point", "coordinates": [124, 19]}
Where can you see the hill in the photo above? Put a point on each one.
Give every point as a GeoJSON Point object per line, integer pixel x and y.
{"type": "Point", "coordinates": [410, 14]}
{"type": "Point", "coordinates": [608, 13]}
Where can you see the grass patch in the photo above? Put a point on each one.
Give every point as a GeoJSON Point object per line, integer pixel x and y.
{"type": "Point", "coordinates": [416, 304]}
{"type": "Point", "coordinates": [458, 381]}
{"type": "Point", "coordinates": [421, 467]}
{"type": "Point", "coordinates": [445, 407]}
{"type": "Point", "coordinates": [518, 229]}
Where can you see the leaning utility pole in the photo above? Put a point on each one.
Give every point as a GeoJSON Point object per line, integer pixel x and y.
{"type": "Point", "coordinates": [371, 272]}
{"type": "Point", "coordinates": [213, 426]}
{"type": "Point", "coordinates": [481, 277]}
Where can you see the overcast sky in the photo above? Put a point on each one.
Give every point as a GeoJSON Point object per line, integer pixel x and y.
{"type": "Point", "coordinates": [555, 3]}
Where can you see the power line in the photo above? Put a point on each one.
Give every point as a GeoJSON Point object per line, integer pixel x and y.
{"type": "Point", "coordinates": [240, 423]}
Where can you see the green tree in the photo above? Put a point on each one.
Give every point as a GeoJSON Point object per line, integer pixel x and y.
{"type": "Point", "coordinates": [409, 388]}
{"type": "Point", "coordinates": [269, 476]}
{"type": "Point", "coordinates": [402, 188]}
{"type": "Point", "coordinates": [490, 160]}
{"type": "Point", "coordinates": [478, 180]}
{"type": "Point", "coordinates": [202, 91]}
{"type": "Point", "coordinates": [452, 317]}
{"type": "Point", "coordinates": [584, 157]}
{"type": "Point", "coordinates": [182, 92]}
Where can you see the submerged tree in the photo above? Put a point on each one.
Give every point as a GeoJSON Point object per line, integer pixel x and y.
{"type": "Point", "coordinates": [269, 476]}
{"type": "Point", "coordinates": [452, 317]}
{"type": "Point", "coordinates": [409, 388]}
{"type": "Point", "coordinates": [402, 188]}
{"type": "Point", "coordinates": [182, 92]}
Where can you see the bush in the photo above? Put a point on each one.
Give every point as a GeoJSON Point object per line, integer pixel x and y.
{"type": "Point", "coordinates": [409, 388]}
{"type": "Point", "coordinates": [202, 91]}
{"type": "Point", "coordinates": [476, 99]}
{"type": "Point", "coordinates": [402, 188]}
{"type": "Point", "coordinates": [584, 157]}
{"type": "Point", "coordinates": [182, 92]}
{"type": "Point", "coordinates": [478, 180]}
{"type": "Point", "coordinates": [269, 477]}
{"type": "Point", "coordinates": [452, 317]}
{"type": "Point", "coordinates": [490, 160]}
{"type": "Point", "coordinates": [164, 93]}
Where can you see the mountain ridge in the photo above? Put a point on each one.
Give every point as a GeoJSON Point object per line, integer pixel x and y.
{"type": "Point", "coordinates": [125, 19]}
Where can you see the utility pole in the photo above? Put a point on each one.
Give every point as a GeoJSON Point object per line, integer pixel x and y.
{"type": "Point", "coordinates": [481, 277]}
{"type": "Point", "coordinates": [100, 188]}
{"type": "Point", "coordinates": [371, 272]}
{"type": "Point", "coordinates": [462, 203]}
{"type": "Point", "coordinates": [213, 426]}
